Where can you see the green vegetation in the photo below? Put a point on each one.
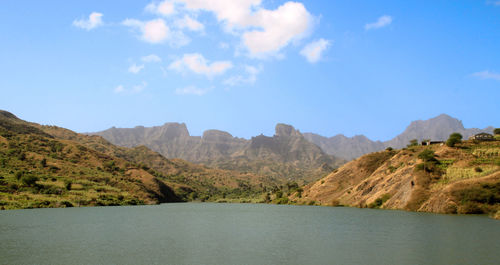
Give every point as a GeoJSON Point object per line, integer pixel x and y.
{"type": "Point", "coordinates": [481, 198]}
{"type": "Point", "coordinates": [455, 173]}
{"type": "Point", "coordinates": [38, 169]}
{"type": "Point", "coordinates": [454, 139]}
{"type": "Point", "coordinates": [413, 142]}
{"type": "Point", "coordinates": [430, 164]}
{"type": "Point", "coordinates": [379, 201]}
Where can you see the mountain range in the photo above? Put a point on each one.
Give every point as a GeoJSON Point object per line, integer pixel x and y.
{"type": "Point", "coordinates": [287, 145]}
{"type": "Point", "coordinates": [285, 155]}
{"type": "Point", "coordinates": [437, 129]}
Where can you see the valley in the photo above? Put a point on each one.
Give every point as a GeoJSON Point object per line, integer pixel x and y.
{"type": "Point", "coordinates": [49, 166]}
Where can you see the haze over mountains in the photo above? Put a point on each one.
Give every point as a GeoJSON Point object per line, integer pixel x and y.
{"type": "Point", "coordinates": [220, 149]}
{"type": "Point", "coordinates": [287, 154]}
{"type": "Point", "coordinates": [436, 129]}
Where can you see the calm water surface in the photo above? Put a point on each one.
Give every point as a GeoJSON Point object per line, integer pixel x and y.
{"type": "Point", "coordinates": [205, 233]}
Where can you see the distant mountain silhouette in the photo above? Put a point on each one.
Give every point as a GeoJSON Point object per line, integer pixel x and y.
{"type": "Point", "coordinates": [438, 129]}
{"type": "Point", "coordinates": [287, 154]}
{"type": "Point", "coordinates": [345, 147]}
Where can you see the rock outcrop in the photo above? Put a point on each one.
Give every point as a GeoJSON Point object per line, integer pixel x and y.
{"type": "Point", "coordinates": [285, 155]}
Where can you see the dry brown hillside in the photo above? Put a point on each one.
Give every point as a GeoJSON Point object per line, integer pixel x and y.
{"type": "Point", "coordinates": [439, 179]}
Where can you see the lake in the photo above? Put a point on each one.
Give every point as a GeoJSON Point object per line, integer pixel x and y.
{"type": "Point", "coordinates": [206, 233]}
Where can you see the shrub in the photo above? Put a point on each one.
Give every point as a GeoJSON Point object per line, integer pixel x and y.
{"type": "Point", "coordinates": [68, 184]}
{"type": "Point", "coordinates": [29, 180]}
{"type": "Point", "coordinates": [282, 201]}
{"type": "Point", "coordinates": [66, 204]}
{"type": "Point", "coordinates": [496, 131]}
{"type": "Point", "coordinates": [336, 203]}
{"type": "Point", "coordinates": [478, 169]}
{"type": "Point", "coordinates": [470, 208]}
{"type": "Point", "coordinates": [110, 166]}
{"type": "Point", "coordinates": [454, 139]}
{"type": "Point", "coordinates": [21, 156]}
{"type": "Point", "coordinates": [19, 174]}
{"type": "Point", "coordinates": [389, 148]}
{"type": "Point", "coordinates": [43, 162]}
{"type": "Point", "coordinates": [379, 201]}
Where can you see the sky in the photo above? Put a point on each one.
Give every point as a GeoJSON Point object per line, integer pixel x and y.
{"type": "Point", "coordinates": [328, 67]}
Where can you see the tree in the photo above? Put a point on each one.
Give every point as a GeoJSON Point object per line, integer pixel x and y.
{"type": "Point", "coordinates": [428, 157]}
{"type": "Point", "coordinates": [413, 142]}
{"type": "Point", "coordinates": [496, 131]}
{"type": "Point", "coordinates": [454, 139]}
{"type": "Point", "coordinates": [43, 162]}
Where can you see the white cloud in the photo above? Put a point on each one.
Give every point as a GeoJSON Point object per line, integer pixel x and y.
{"type": "Point", "coordinates": [263, 32]}
{"type": "Point", "coordinates": [135, 69]}
{"type": "Point", "coordinates": [152, 58]}
{"type": "Point", "coordinates": [314, 50]}
{"type": "Point", "coordinates": [192, 90]}
{"type": "Point", "coordinates": [94, 21]}
{"type": "Point", "coordinates": [156, 31]}
{"type": "Point", "coordinates": [289, 22]}
{"type": "Point", "coordinates": [250, 78]}
{"type": "Point", "coordinates": [119, 89]}
{"type": "Point", "coordinates": [164, 8]}
{"type": "Point", "coordinates": [189, 23]}
{"type": "Point", "coordinates": [196, 63]}
{"type": "Point", "coordinates": [487, 75]}
{"type": "Point", "coordinates": [381, 22]}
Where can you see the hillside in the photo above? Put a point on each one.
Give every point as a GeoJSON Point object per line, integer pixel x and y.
{"type": "Point", "coordinates": [285, 156]}
{"type": "Point", "coordinates": [437, 129]}
{"type": "Point", "coordinates": [49, 166]}
{"type": "Point", "coordinates": [464, 179]}
{"type": "Point", "coordinates": [40, 170]}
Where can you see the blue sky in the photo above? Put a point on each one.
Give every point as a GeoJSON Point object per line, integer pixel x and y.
{"type": "Point", "coordinates": [329, 67]}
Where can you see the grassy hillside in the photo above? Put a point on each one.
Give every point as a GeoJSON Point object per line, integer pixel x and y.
{"type": "Point", "coordinates": [190, 181]}
{"type": "Point", "coordinates": [38, 170]}
{"type": "Point", "coordinates": [49, 166]}
{"type": "Point", "coordinates": [464, 179]}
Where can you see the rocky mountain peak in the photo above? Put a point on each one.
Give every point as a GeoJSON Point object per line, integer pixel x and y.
{"type": "Point", "coordinates": [172, 130]}
{"type": "Point", "coordinates": [216, 135]}
{"type": "Point", "coordinates": [285, 130]}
